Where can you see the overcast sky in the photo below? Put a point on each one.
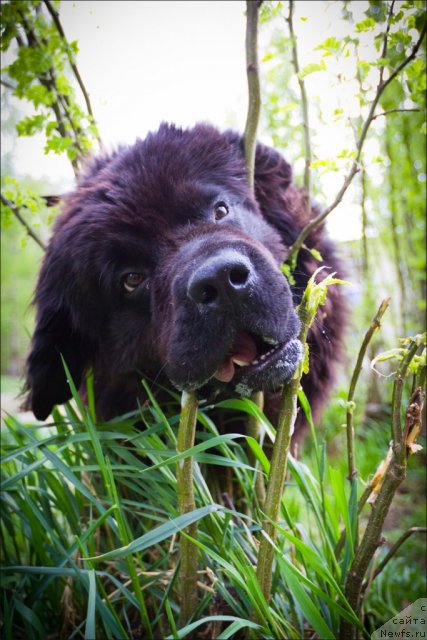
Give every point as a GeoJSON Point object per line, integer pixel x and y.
{"type": "Point", "coordinates": [181, 61]}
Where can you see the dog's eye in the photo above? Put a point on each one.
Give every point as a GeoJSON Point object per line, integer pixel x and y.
{"type": "Point", "coordinates": [132, 280]}
{"type": "Point", "coordinates": [220, 210]}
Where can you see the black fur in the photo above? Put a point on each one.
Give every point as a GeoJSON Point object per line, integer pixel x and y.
{"type": "Point", "coordinates": [211, 289]}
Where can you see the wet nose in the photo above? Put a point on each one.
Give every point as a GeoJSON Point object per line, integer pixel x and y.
{"type": "Point", "coordinates": [220, 280]}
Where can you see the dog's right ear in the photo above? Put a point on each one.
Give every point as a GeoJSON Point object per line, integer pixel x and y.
{"type": "Point", "coordinates": [58, 332]}
{"type": "Point", "coordinates": [68, 316]}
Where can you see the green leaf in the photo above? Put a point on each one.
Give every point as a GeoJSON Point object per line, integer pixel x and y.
{"type": "Point", "coordinates": [287, 271]}
{"type": "Point", "coordinates": [237, 624]}
{"type": "Point", "coordinates": [315, 292]}
{"type": "Point", "coordinates": [165, 530]}
{"type": "Point", "coordinates": [30, 125]}
{"type": "Point", "coordinates": [330, 46]}
{"type": "Point", "coordinates": [365, 25]}
{"type": "Point", "coordinates": [58, 145]}
{"type": "Point", "coordinates": [30, 616]}
{"type": "Point", "coordinates": [90, 633]}
{"type": "Point", "coordinates": [305, 602]}
{"type": "Point", "coordinates": [312, 67]}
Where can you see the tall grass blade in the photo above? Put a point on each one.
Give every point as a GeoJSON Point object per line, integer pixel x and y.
{"type": "Point", "coordinates": [90, 614]}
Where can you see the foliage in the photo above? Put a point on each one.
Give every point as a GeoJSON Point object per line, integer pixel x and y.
{"type": "Point", "coordinates": [78, 507]}
{"type": "Point", "coordinates": [90, 510]}
{"type": "Point", "coordinates": [390, 186]}
{"type": "Point", "coordinates": [39, 74]}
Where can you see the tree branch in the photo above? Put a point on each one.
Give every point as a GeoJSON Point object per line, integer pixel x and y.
{"type": "Point", "coordinates": [287, 414]}
{"type": "Point", "coordinates": [387, 113]}
{"type": "Point", "coordinates": [47, 82]}
{"type": "Point", "coordinates": [56, 20]}
{"type": "Point", "coordinates": [186, 503]}
{"type": "Point", "coordinates": [249, 142]}
{"type": "Point", "coordinates": [407, 534]}
{"type": "Point", "coordinates": [254, 88]}
{"type": "Point", "coordinates": [25, 224]}
{"type": "Point", "coordinates": [394, 474]}
{"type": "Point", "coordinates": [296, 246]}
{"type": "Point", "coordinates": [304, 105]}
{"type": "Point", "coordinates": [7, 84]}
{"type": "Point", "coordinates": [374, 327]}
{"type": "Point", "coordinates": [253, 430]}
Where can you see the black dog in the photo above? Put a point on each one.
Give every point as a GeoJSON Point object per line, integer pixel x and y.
{"type": "Point", "coordinates": [164, 264]}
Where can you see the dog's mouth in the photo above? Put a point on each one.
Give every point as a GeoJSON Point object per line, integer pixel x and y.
{"type": "Point", "coordinates": [253, 358]}
{"type": "Point", "coordinates": [246, 351]}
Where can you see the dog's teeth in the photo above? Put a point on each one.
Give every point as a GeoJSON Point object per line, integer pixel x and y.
{"type": "Point", "coordinates": [241, 363]}
{"type": "Point", "coordinates": [270, 341]}
{"type": "Point", "coordinates": [255, 362]}
{"type": "Point", "coordinates": [263, 356]}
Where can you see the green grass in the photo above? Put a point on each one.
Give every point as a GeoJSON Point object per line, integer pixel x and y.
{"type": "Point", "coordinates": [90, 522]}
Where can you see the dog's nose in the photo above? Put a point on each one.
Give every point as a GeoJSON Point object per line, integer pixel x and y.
{"type": "Point", "coordinates": [221, 279]}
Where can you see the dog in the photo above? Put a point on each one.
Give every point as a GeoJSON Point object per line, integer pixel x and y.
{"type": "Point", "coordinates": [165, 264]}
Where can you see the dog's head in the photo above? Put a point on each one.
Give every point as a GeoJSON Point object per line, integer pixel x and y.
{"type": "Point", "coordinates": [163, 260]}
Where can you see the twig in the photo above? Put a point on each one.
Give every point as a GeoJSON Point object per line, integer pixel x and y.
{"type": "Point", "coordinates": [296, 246]}
{"type": "Point", "coordinates": [304, 105]}
{"type": "Point", "coordinates": [249, 141]}
{"type": "Point", "coordinates": [409, 532]}
{"type": "Point", "coordinates": [7, 84]}
{"type": "Point", "coordinates": [46, 82]}
{"type": "Point", "coordinates": [396, 429]}
{"type": "Point", "coordinates": [276, 479]}
{"type": "Point", "coordinates": [385, 39]}
{"type": "Point", "coordinates": [394, 475]}
{"type": "Point", "coordinates": [387, 113]}
{"type": "Point", "coordinates": [55, 18]}
{"type": "Point", "coordinates": [186, 503]}
{"type": "Point", "coordinates": [253, 430]}
{"type": "Point", "coordinates": [254, 98]}
{"type": "Point", "coordinates": [25, 224]}
{"type": "Point", "coordinates": [375, 325]}
{"type": "Point", "coordinates": [288, 408]}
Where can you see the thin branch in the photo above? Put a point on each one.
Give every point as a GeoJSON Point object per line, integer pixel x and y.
{"type": "Point", "coordinates": [385, 39]}
{"type": "Point", "coordinates": [249, 141]}
{"type": "Point", "coordinates": [55, 18]}
{"type": "Point", "coordinates": [394, 474]}
{"type": "Point", "coordinates": [7, 84]}
{"type": "Point", "coordinates": [186, 503]}
{"type": "Point", "coordinates": [254, 88]}
{"type": "Point", "coordinates": [355, 166]}
{"type": "Point", "coordinates": [64, 102]}
{"type": "Point", "coordinates": [387, 113]}
{"type": "Point", "coordinates": [46, 82]}
{"type": "Point", "coordinates": [407, 534]}
{"type": "Point", "coordinates": [374, 327]}
{"type": "Point", "coordinates": [304, 105]}
{"type": "Point", "coordinates": [396, 428]}
{"type": "Point", "coordinates": [25, 224]}
{"type": "Point", "coordinates": [253, 429]}
{"type": "Point", "coordinates": [278, 466]}
{"type": "Point", "coordinates": [352, 471]}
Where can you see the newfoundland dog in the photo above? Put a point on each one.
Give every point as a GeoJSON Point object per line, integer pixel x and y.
{"type": "Point", "coordinates": [163, 264]}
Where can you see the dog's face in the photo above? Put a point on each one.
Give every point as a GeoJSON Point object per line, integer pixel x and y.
{"type": "Point", "coordinates": [163, 262]}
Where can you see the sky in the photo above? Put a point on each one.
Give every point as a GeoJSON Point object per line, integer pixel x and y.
{"type": "Point", "coordinates": [145, 62]}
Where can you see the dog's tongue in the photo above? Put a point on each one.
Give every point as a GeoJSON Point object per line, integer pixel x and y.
{"type": "Point", "coordinates": [242, 352]}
